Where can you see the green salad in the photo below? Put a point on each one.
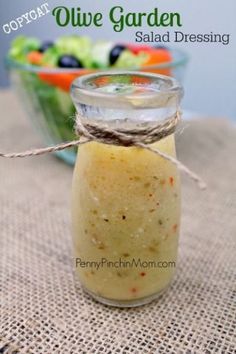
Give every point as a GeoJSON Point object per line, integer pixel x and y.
{"type": "Point", "coordinates": [44, 70]}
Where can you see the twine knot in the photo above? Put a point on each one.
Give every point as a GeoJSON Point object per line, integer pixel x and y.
{"type": "Point", "coordinates": [141, 136]}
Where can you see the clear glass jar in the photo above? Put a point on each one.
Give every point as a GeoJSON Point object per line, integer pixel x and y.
{"type": "Point", "coordinates": [125, 200]}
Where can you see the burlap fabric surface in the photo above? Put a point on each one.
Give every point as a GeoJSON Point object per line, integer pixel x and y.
{"type": "Point", "coordinates": [43, 309]}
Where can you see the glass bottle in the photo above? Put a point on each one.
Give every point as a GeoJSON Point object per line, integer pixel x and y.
{"type": "Point", "coordinates": [125, 200]}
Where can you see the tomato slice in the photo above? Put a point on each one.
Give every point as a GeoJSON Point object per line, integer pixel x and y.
{"type": "Point", "coordinates": [62, 80]}
{"type": "Point", "coordinates": [35, 57]}
{"type": "Point", "coordinates": [136, 49]}
{"type": "Point", "coordinates": [158, 56]}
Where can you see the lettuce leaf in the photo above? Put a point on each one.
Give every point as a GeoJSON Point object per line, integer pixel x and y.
{"type": "Point", "coordinates": [127, 59]}
{"type": "Point", "coordinates": [21, 46]}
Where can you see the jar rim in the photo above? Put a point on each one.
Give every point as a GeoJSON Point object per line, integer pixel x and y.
{"type": "Point", "coordinates": [149, 90]}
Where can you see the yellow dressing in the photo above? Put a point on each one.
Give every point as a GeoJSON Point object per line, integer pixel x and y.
{"type": "Point", "coordinates": [125, 206]}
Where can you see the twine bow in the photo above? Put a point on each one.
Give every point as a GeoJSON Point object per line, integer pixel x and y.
{"type": "Point", "coordinates": [141, 137]}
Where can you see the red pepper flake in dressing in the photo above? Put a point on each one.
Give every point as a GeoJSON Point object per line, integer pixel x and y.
{"type": "Point", "coordinates": [142, 274]}
{"type": "Point", "coordinates": [133, 290]}
{"type": "Point", "coordinates": [171, 180]}
{"type": "Point", "coordinates": [175, 227]}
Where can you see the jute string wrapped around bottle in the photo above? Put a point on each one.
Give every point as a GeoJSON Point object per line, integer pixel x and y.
{"type": "Point", "coordinates": [141, 137]}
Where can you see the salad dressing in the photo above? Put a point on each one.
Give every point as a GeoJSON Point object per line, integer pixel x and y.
{"type": "Point", "coordinates": [125, 200]}
{"type": "Point", "coordinates": [126, 207]}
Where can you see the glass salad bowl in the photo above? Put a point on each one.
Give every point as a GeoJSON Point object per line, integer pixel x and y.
{"type": "Point", "coordinates": [45, 93]}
